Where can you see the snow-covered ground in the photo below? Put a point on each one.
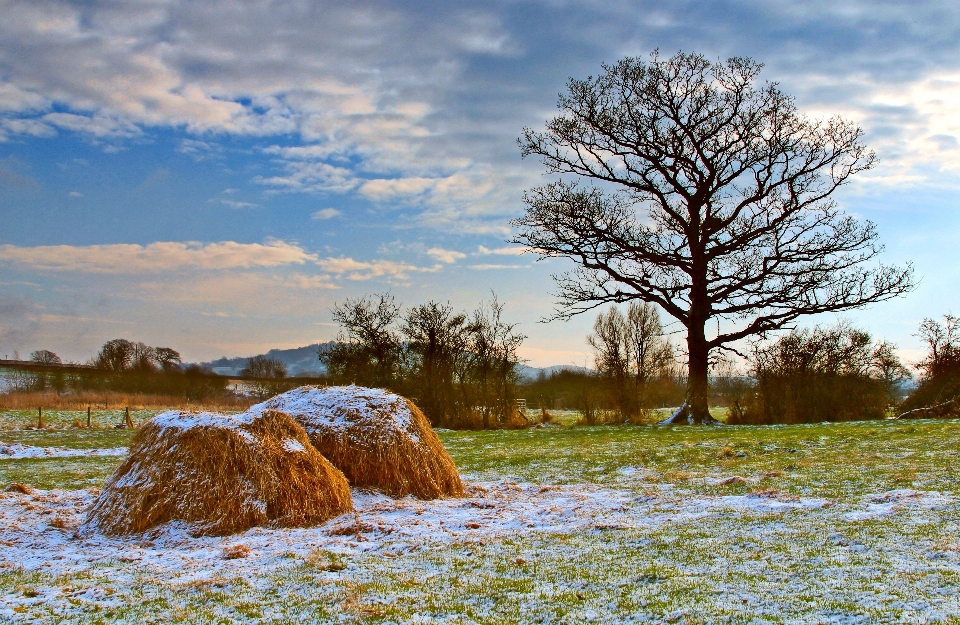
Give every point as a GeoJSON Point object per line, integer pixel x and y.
{"type": "Point", "coordinates": [398, 550]}
{"type": "Point", "coordinates": [16, 451]}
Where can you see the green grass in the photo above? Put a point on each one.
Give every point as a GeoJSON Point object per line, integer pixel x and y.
{"type": "Point", "coordinates": [735, 565]}
{"type": "Point", "coordinates": [823, 460]}
{"type": "Point", "coordinates": [60, 419]}
{"type": "Point", "coordinates": [50, 473]}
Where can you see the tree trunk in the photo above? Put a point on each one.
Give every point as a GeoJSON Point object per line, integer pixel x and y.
{"type": "Point", "coordinates": [695, 408]}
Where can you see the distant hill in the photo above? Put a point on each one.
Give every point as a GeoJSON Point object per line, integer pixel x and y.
{"type": "Point", "coordinates": [305, 361]}
{"type": "Point", "coordinates": [529, 374]}
{"type": "Point", "coordinates": [299, 360]}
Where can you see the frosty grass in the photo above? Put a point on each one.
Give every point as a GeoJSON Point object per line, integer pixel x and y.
{"type": "Point", "coordinates": [842, 523]}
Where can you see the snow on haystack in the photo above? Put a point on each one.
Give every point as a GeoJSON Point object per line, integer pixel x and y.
{"type": "Point", "coordinates": [219, 474]}
{"type": "Point", "coordinates": [378, 439]}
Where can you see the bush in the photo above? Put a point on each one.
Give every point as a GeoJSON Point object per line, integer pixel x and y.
{"type": "Point", "coordinates": [459, 368]}
{"type": "Point", "coordinates": [940, 367]}
{"type": "Point", "coordinates": [823, 374]}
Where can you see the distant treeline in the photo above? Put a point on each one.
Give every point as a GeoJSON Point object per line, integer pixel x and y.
{"type": "Point", "coordinates": [126, 367]}
{"type": "Point", "coordinates": [461, 368]}
{"type": "Point", "coordinates": [837, 373]}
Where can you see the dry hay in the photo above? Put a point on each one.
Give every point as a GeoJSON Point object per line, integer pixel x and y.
{"type": "Point", "coordinates": [378, 439]}
{"type": "Point", "coordinates": [221, 475]}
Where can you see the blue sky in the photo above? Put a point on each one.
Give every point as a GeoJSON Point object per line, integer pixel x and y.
{"type": "Point", "coordinates": [214, 176]}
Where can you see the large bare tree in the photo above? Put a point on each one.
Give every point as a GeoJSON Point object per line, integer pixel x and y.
{"type": "Point", "coordinates": [709, 196]}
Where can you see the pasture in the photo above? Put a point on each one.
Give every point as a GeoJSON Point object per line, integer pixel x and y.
{"type": "Point", "coordinates": [845, 523]}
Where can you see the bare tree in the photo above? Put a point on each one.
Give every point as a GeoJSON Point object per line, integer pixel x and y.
{"type": "Point", "coordinates": [369, 350]}
{"type": "Point", "coordinates": [267, 373]}
{"type": "Point", "coordinates": [264, 368]}
{"type": "Point", "coordinates": [454, 364]}
{"type": "Point", "coordinates": [938, 394]}
{"type": "Point", "coordinates": [713, 202]}
{"type": "Point", "coordinates": [491, 373]}
{"type": "Point", "coordinates": [610, 344]}
{"type": "Point", "coordinates": [822, 374]}
{"type": "Point", "coordinates": [42, 379]}
{"type": "Point", "coordinates": [45, 357]}
{"type": "Point", "coordinates": [144, 358]}
{"type": "Point", "coordinates": [436, 344]}
{"type": "Point", "coordinates": [630, 351]}
{"type": "Point", "coordinates": [943, 345]}
{"type": "Point", "coordinates": [651, 353]}
{"type": "Point", "coordinates": [168, 359]}
{"type": "Point", "coordinates": [116, 355]}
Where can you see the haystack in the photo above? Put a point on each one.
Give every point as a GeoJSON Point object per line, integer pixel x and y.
{"type": "Point", "coordinates": [221, 475]}
{"type": "Point", "coordinates": [378, 439]}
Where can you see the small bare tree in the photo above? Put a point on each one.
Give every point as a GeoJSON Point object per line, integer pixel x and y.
{"type": "Point", "coordinates": [267, 373]}
{"type": "Point", "coordinates": [45, 357]}
{"type": "Point", "coordinates": [144, 358]}
{"type": "Point", "coordinates": [939, 390]}
{"type": "Point", "coordinates": [714, 204]}
{"type": "Point", "coordinates": [491, 372]}
{"type": "Point", "coordinates": [43, 379]}
{"type": "Point", "coordinates": [369, 350]}
{"type": "Point", "coordinates": [436, 344]}
{"type": "Point", "coordinates": [168, 359]}
{"type": "Point", "coordinates": [822, 374]}
{"type": "Point", "coordinates": [943, 345]}
{"type": "Point", "coordinates": [631, 350]}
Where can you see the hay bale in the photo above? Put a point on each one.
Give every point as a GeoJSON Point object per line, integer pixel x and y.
{"type": "Point", "coordinates": [379, 440]}
{"type": "Point", "coordinates": [221, 475]}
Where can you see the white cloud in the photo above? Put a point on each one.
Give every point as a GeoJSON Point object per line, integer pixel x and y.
{"type": "Point", "coordinates": [305, 282]}
{"type": "Point", "coordinates": [502, 251]}
{"type": "Point", "coordinates": [382, 190]}
{"type": "Point", "coordinates": [156, 257]}
{"type": "Point", "coordinates": [312, 176]}
{"type": "Point", "coordinates": [32, 127]}
{"type": "Point", "coordinates": [360, 270]}
{"type": "Point", "coordinates": [325, 213]}
{"type": "Point", "coordinates": [445, 256]}
{"type": "Point", "coordinates": [488, 267]}
{"type": "Point", "coordinates": [238, 204]}
{"type": "Point", "coordinates": [387, 102]}
{"type": "Point", "coordinates": [362, 91]}
{"type": "Point", "coordinates": [14, 99]}
{"type": "Point", "coordinates": [75, 194]}
{"type": "Point", "coordinates": [99, 126]}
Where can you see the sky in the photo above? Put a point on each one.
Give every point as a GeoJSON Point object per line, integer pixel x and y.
{"type": "Point", "coordinates": [216, 176]}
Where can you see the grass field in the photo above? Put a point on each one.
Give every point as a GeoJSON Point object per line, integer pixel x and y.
{"type": "Point", "coordinates": [844, 523]}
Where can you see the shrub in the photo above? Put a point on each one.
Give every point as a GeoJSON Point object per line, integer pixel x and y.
{"type": "Point", "coordinates": [823, 374]}
{"type": "Point", "coordinates": [940, 367]}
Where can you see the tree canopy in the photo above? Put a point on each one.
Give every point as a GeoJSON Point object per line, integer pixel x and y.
{"type": "Point", "coordinates": [709, 195]}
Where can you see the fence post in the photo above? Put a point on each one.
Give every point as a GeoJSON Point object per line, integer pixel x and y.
{"type": "Point", "coordinates": [40, 418]}
{"type": "Point", "coordinates": [88, 417]}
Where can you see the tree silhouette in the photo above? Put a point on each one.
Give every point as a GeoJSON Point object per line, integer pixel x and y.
{"type": "Point", "coordinates": [711, 199]}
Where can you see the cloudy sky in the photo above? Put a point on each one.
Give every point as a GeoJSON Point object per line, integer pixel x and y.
{"type": "Point", "coordinates": [214, 176]}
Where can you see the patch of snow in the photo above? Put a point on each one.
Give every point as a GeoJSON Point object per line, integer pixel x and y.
{"type": "Point", "coordinates": [293, 446]}
{"type": "Point", "coordinates": [764, 503]}
{"type": "Point", "coordinates": [16, 451]}
{"type": "Point", "coordinates": [390, 529]}
{"type": "Point", "coordinates": [490, 509]}
{"type": "Point", "coordinates": [884, 504]}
